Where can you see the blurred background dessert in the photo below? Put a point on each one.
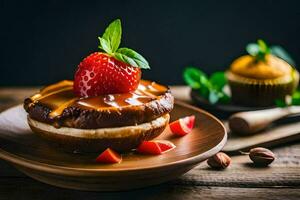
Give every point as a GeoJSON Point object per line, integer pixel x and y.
{"type": "Point", "coordinates": [261, 78]}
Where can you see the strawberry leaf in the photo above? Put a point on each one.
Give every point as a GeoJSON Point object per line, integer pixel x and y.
{"type": "Point", "coordinates": [132, 58]}
{"type": "Point", "coordinates": [113, 35]}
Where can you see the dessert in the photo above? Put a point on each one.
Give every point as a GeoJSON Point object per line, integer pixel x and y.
{"type": "Point", "coordinates": [261, 78]}
{"type": "Point", "coordinates": [91, 124]}
{"type": "Point", "coordinates": [106, 106]}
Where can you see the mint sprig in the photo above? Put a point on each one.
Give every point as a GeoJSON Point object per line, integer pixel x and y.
{"type": "Point", "coordinates": [113, 35]}
{"type": "Point", "coordinates": [293, 100]}
{"type": "Point", "coordinates": [110, 42]}
{"type": "Point", "coordinates": [131, 57]}
{"type": "Point", "coordinates": [280, 52]}
{"type": "Point", "coordinates": [210, 88]}
{"type": "Point", "coordinates": [260, 49]}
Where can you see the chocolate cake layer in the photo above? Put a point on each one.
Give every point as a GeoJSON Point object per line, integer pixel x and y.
{"type": "Point", "coordinates": [58, 106]}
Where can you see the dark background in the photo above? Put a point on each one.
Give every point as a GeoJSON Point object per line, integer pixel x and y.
{"type": "Point", "coordinates": [43, 42]}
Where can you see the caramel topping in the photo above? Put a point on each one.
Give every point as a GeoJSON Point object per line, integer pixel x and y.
{"type": "Point", "coordinates": [59, 96]}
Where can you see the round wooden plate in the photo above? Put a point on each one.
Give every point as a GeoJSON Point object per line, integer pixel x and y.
{"type": "Point", "coordinates": [39, 160]}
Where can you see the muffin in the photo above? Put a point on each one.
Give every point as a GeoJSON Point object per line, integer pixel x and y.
{"type": "Point", "coordinates": [258, 83]}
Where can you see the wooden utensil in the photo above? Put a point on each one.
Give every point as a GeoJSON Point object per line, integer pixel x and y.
{"type": "Point", "coordinates": [253, 121]}
{"type": "Point", "coordinates": [39, 160]}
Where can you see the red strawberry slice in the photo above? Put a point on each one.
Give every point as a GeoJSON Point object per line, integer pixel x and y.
{"type": "Point", "coordinates": [165, 145]}
{"type": "Point", "coordinates": [109, 156]}
{"type": "Point", "coordinates": [99, 74]}
{"type": "Point", "coordinates": [149, 147]}
{"type": "Point", "coordinates": [182, 126]}
{"type": "Point", "coordinates": [155, 147]}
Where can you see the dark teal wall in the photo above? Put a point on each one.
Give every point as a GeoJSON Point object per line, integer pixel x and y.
{"type": "Point", "coordinates": [43, 42]}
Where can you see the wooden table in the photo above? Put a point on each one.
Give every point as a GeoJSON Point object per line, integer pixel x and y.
{"type": "Point", "coordinates": [241, 180]}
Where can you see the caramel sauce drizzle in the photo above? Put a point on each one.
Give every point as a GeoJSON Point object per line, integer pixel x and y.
{"type": "Point", "coordinates": [60, 95]}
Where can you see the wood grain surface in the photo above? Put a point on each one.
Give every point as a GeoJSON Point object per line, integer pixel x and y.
{"type": "Point", "coordinates": [240, 181]}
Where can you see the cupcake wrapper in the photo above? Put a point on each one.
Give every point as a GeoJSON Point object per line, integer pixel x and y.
{"type": "Point", "coordinates": [261, 93]}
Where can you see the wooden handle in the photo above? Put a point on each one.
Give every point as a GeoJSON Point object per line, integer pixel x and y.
{"type": "Point", "coordinates": [253, 121]}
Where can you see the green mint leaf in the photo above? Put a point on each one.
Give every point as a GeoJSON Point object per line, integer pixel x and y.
{"type": "Point", "coordinates": [209, 88]}
{"type": "Point", "coordinates": [280, 103]}
{"type": "Point", "coordinates": [224, 98]}
{"type": "Point", "coordinates": [252, 49]}
{"type": "Point", "coordinates": [131, 57]}
{"type": "Point", "coordinates": [283, 54]}
{"type": "Point", "coordinates": [110, 42]}
{"type": "Point", "coordinates": [204, 92]}
{"type": "Point", "coordinates": [104, 45]}
{"type": "Point", "coordinates": [195, 78]}
{"type": "Point", "coordinates": [259, 50]}
{"type": "Point", "coordinates": [296, 98]}
{"type": "Point", "coordinates": [218, 80]}
{"type": "Point", "coordinates": [192, 77]}
{"type": "Point", "coordinates": [263, 47]}
{"type": "Point", "coordinates": [113, 35]}
{"type": "Point", "coordinates": [213, 97]}
{"type": "Point", "coordinates": [217, 96]}
{"type": "Point", "coordinates": [260, 56]}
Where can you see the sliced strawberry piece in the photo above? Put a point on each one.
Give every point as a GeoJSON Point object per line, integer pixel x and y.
{"type": "Point", "coordinates": [109, 156]}
{"type": "Point", "coordinates": [155, 147]}
{"type": "Point", "coordinates": [182, 126]}
{"type": "Point", "coordinates": [149, 147]}
{"type": "Point", "coordinates": [165, 145]}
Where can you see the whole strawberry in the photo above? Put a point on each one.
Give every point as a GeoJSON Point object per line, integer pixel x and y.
{"type": "Point", "coordinates": [116, 70]}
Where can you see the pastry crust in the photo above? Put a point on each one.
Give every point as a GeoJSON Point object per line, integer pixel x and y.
{"type": "Point", "coordinates": [96, 140]}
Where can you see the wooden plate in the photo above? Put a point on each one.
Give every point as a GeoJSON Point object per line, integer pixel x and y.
{"type": "Point", "coordinates": [33, 156]}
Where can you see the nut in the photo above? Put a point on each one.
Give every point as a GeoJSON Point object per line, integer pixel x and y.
{"type": "Point", "coordinates": [261, 156]}
{"type": "Point", "coordinates": [219, 161]}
